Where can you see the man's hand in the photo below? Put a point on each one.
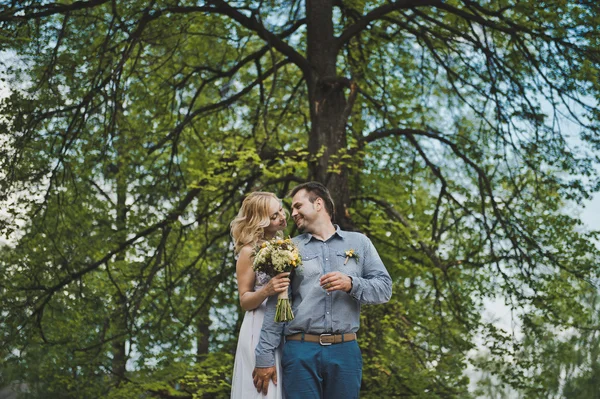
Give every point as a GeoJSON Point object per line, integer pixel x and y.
{"type": "Point", "coordinates": [335, 281]}
{"type": "Point", "coordinates": [262, 376]}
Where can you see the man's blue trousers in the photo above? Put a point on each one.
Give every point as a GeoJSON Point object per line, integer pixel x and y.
{"type": "Point", "coordinates": [311, 370]}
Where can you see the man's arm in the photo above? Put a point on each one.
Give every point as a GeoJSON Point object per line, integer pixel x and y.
{"type": "Point", "coordinates": [270, 336]}
{"type": "Point", "coordinates": [375, 284]}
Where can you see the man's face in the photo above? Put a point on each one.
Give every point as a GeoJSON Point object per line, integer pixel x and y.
{"type": "Point", "coordinates": [304, 212]}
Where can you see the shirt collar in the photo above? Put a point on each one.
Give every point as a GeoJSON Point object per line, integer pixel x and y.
{"type": "Point", "coordinates": [341, 233]}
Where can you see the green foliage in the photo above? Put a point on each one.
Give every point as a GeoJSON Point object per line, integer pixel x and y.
{"type": "Point", "coordinates": [456, 134]}
{"type": "Point", "coordinates": [211, 377]}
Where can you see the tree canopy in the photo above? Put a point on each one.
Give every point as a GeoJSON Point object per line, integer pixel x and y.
{"type": "Point", "coordinates": [456, 134]}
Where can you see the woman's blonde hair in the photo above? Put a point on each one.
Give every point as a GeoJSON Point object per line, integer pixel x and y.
{"type": "Point", "coordinates": [253, 217]}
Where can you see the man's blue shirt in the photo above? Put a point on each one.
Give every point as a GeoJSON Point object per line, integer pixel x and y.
{"type": "Point", "coordinates": [316, 311]}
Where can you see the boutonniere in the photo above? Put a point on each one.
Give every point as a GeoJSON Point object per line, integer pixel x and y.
{"type": "Point", "coordinates": [350, 254]}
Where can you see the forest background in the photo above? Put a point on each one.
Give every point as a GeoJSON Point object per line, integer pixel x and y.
{"type": "Point", "coordinates": [461, 136]}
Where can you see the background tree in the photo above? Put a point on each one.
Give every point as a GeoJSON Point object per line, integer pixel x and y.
{"type": "Point", "coordinates": [453, 133]}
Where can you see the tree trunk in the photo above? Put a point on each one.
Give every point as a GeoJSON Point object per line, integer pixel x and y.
{"type": "Point", "coordinates": [119, 319]}
{"type": "Point", "coordinates": [203, 334]}
{"type": "Point", "coordinates": [327, 108]}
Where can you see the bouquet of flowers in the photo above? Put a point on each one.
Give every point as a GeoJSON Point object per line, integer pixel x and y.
{"type": "Point", "coordinates": [273, 257]}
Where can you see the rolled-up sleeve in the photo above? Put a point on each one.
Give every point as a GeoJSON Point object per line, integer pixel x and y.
{"type": "Point", "coordinates": [375, 284]}
{"type": "Point", "coordinates": [270, 336]}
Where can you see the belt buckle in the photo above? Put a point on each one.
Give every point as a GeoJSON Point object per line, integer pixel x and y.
{"type": "Point", "coordinates": [321, 339]}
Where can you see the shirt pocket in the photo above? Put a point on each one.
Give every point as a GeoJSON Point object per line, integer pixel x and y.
{"type": "Point", "coordinates": [311, 266]}
{"type": "Point", "coordinates": [351, 267]}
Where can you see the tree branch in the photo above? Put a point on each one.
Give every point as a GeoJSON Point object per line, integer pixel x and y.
{"type": "Point", "coordinates": [38, 11]}
{"type": "Point", "coordinates": [394, 214]}
{"type": "Point", "coordinates": [179, 128]}
{"type": "Point", "coordinates": [378, 13]}
{"type": "Point", "coordinates": [254, 25]}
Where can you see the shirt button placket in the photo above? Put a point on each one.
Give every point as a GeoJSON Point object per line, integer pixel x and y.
{"type": "Point", "coordinates": [328, 297]}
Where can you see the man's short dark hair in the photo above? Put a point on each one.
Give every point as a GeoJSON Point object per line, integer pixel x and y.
{"type": "Point", "coordinates": [316, 190]}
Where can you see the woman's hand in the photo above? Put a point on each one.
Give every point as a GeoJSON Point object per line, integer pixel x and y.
{"type": "Point", "coordinates": [277, 284]}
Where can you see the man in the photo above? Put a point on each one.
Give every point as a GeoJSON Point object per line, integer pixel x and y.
{"type": "Point", "coordinates": [340, 271]}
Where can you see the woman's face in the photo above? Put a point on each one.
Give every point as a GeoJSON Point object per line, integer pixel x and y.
{"type": "Point", "coordinates": [277, 217]}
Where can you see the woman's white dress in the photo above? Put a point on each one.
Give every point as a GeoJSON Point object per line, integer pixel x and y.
{"type": "Point", "coordinates": [242, 385]}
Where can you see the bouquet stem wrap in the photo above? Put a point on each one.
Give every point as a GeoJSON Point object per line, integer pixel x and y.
{"type": "Point", "coordinates": [283, 311]}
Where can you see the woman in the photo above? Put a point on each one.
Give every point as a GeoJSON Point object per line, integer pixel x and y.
{"type": "Point", "coordinates": [261, 218]}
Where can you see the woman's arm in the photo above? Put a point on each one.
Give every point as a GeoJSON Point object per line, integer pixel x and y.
{"type": "Point", "coordinates": [250, 299]}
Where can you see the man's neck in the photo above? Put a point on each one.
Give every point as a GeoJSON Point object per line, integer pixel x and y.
{"type": "Point", "coordinates": [323, 231]}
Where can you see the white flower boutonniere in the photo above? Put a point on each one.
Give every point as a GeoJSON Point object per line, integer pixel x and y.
{"type": "Point", "coordinates": [350, 254]}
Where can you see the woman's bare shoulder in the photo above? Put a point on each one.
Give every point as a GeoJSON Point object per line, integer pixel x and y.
{"type": "Point", "coordinates": [246, 251]}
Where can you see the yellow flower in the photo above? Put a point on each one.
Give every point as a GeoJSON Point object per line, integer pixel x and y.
{"type": "Point", "coordinates": [350, 254]}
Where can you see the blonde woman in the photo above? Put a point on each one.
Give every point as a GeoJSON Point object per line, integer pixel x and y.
{"type": "Point", "coordinates": [260, 218]}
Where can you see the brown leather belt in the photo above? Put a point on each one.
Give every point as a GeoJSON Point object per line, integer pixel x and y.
{"type": "Point", "coordinates": [323, 339]}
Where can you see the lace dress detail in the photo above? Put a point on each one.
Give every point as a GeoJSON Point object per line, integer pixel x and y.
{"type": "Point", "coordinates": [260, 280]}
